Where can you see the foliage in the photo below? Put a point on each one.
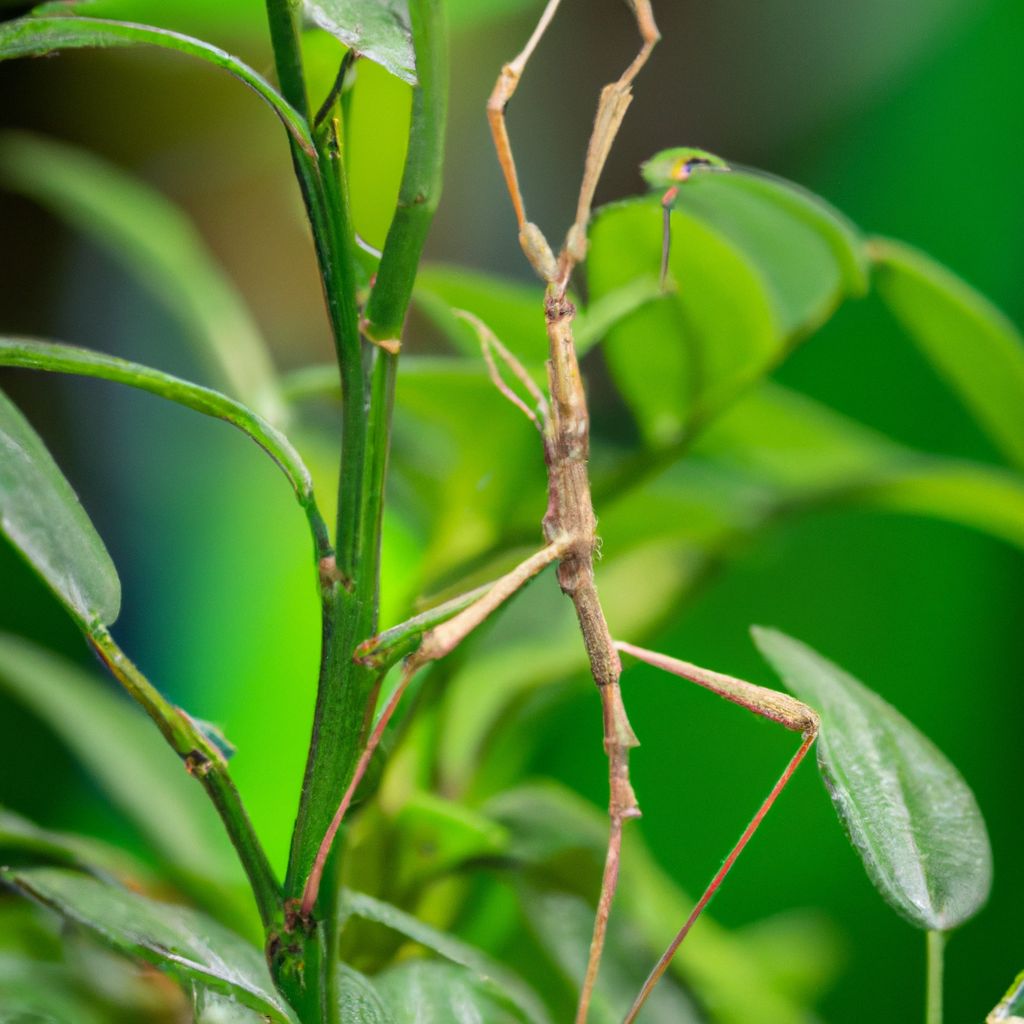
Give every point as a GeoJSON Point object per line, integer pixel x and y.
{"type": "Point", "coordinates": [457, 890]}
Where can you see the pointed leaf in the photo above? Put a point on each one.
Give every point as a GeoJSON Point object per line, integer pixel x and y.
{"type": "Point", "coordinates": [120, 749]}
{"type": "Point", "coordinates": [970, 342]}
{"type": "Point", "coordinates": [810, 456]}
{"type": "Point", "coordinates": [182, 942]}
{"type": "Point", "coordinates": [158, 245]}
{"type": "Point", "coordinates": [905, 808]}
{"type": "Point", "coordinates": [377, 29]}
{"type": "Point", "coordinates": [434, 992]}
{"type": "Point", "coordinates": [42, 517]}
{"type": "Point", "coordinates": [35, 37]}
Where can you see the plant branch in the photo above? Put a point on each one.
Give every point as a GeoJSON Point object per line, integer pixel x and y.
{"type": "Point", "coordinates": [347, 688]}
{"type": "Point", "coordinates": [202, 761]}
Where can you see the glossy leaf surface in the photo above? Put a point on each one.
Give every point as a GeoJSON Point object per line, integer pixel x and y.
{"type": "Point", "coordinates": [180, 941]}
{"type": "Point", "coordinates": [155, 243]}
{"type": "Point", "coordinates": [42, 517]}
{"type": "Point", "coordinates": [376, 29]}
{"type": "Point", "coordinates": [973, 345]}
{"type": "Point", "coordinates": [38, 36]}
{"type": "Point", "coordinates": [905, 808]}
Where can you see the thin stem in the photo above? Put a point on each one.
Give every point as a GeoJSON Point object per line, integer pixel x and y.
{"type": "Point", "coordinates": [204, 763]}
{"type": "Point", "coordinates": [420, 190]}
{"type": "Point", "coordinates": [284, 37]}
{"type": "Point", "coordinates": [666, 958]}
{"type": "Point", "coordinates": [347, 688]}
{"type": "Point", "coordinates": [936, 943]}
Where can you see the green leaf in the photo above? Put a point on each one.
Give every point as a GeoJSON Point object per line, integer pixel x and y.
{"type": "Point", "coordinates": [757, 266]}
{"type": "Point", "coordinates": [182, 942]}
{"type": "Point", "coordinates": [360, 905]}
{"type": "Point", "coordinates": [433, 992]}
{"type": "Point", "coordinates": [970, 343]}
{"type": "Point", "coordinates": [377, 29]}
{"type": "Point", "coordinates": [905, 808]}
{"type": "Point", "coordinates": [463, 484]}
{"type": "Point", "coordinates": [42, 517]}
{"type": "Point", "coordinates": [675, 360]}
{"type": "Point", "coordinates": [358, 1003]}
{"type": "Point", "coordinates": [809, 457]}
{"type": "Point", "coordinates": [515, 311]}
{"type": "Point", "coordinates": [1011, 1009]}
{"type": "Point", "coordinates": [122, 752]}
{"type": "Point", "coordinates": [156, 244]}
{"type": "Point", "coordinates": [35, 37]}
{"type": "Point", "coordinates": [43, 355]}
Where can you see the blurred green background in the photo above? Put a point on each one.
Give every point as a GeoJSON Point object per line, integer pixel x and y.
{"type": "Point", "coordinates": [906, 117]}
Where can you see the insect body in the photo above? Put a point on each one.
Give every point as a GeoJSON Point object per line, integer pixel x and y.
{"type": "Point", "coordinates": [668, 170]}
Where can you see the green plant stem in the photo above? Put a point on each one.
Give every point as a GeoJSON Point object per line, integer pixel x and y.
{"type": "Point", "coordinates": [346, 693]}
{"type": "Point", "coordinates": [420, 190]}
{"type": "Point", "coordinates": [936, 951]}
{"type": "Point", "coordinates": [284, 37]}
{"type": "Point", "coordinates": [204, 763]}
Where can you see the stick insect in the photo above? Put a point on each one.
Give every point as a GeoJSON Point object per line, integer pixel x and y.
{"type": "Point", "coordinates": [569, 523]}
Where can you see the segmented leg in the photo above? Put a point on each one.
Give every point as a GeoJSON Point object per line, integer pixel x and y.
{"type": "Point", "coordinates": [490, 344]}
{"type": "Point", "coordinates": [436, 643]}
{"type": "Point", "coordinates": [611, 109]}
{"type": "Point", "coordinates": [770, 704]}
